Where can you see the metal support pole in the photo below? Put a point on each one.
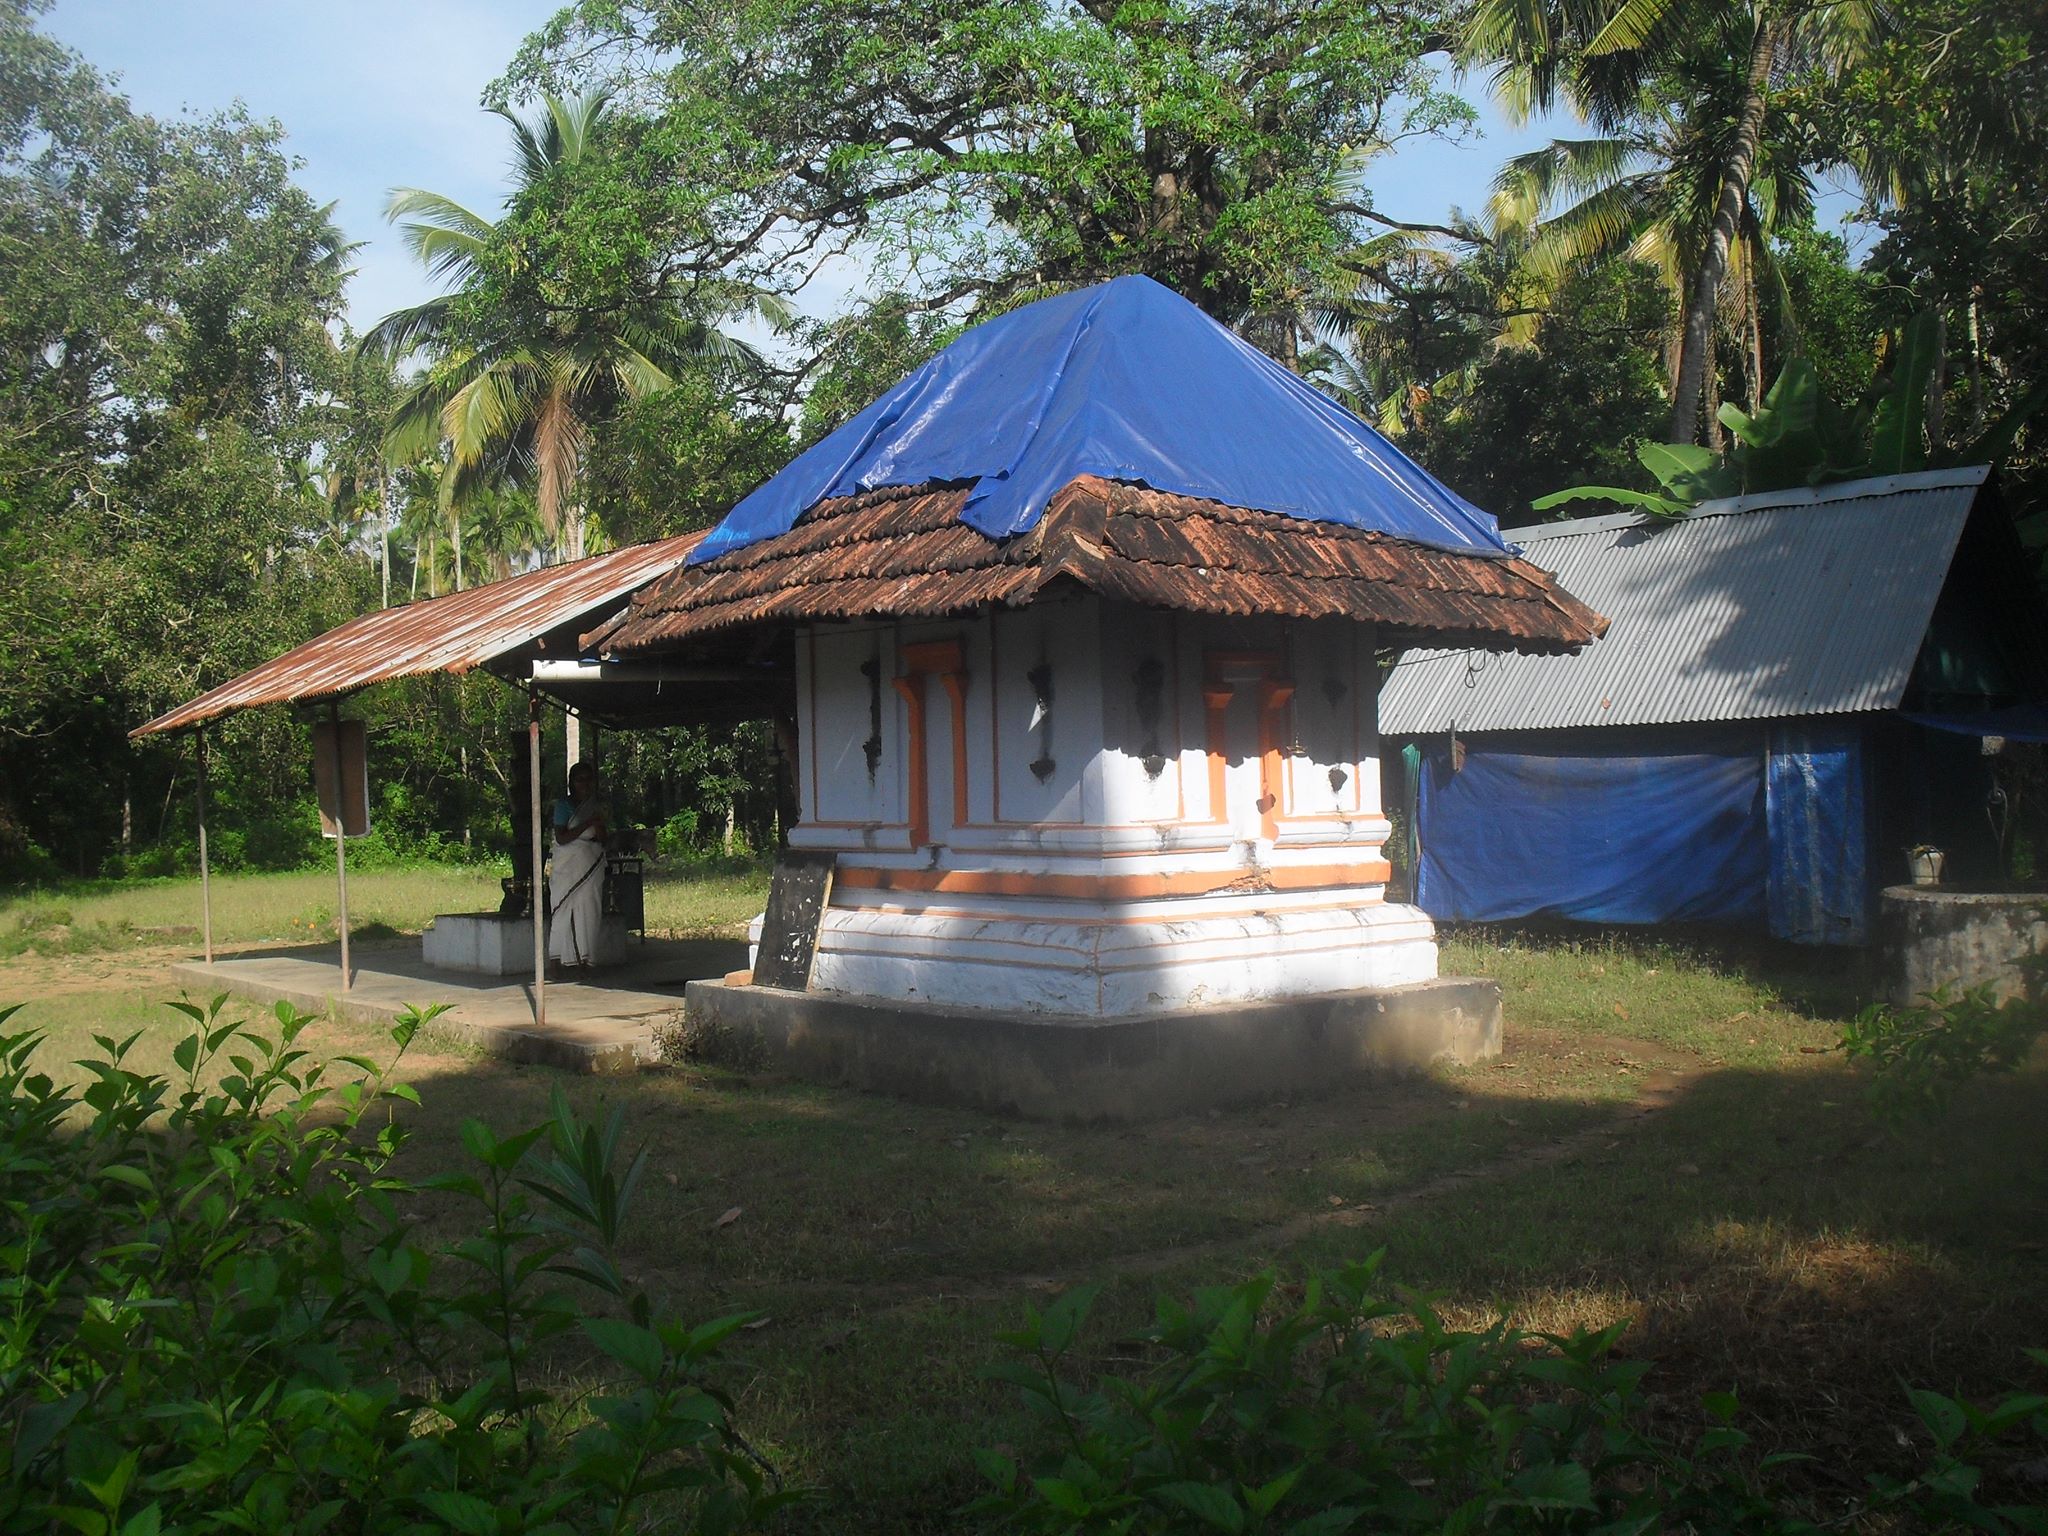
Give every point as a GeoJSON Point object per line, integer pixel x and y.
{"type": "Point", "coordinates": [205, 876]}
{"type": "Point", "coordinates": [540, 884]}
{"type": "Point", "coordinates": [340, 833]}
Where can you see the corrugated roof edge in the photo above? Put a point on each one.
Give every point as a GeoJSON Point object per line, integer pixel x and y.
{"type": "Point", "coordinates": [456, 632]}
{"type": "Point", "coordinates": [1657, 669]}
{"type": "Point", "coordinates": [1800, 496]}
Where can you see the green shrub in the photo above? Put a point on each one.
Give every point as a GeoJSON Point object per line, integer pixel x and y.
{"type": "Point", "coordinates": [677, 837]}
{"type": "Point", "coordinates": [1334, 1408]}
{"type": "Point", "coordinates": [49, 928]}
{"type": "Point", "coordinates": [213, 1314]}
{"type": "Point", "coordinates": [1921, 1055]}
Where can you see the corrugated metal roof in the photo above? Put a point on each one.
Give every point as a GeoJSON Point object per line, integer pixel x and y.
{"type": "Point", "coordinates": [1804, 602]}
{"type": "Point", "coordinates": [456, 633]}
{"type": "Point", "coordinates": [903, 551]}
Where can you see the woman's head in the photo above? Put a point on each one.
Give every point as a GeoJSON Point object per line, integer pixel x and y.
{"type": "Point", "coordinates": [582, 779]}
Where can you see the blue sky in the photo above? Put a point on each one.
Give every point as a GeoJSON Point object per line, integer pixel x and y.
{"type": "Point", "coordinates": [382, 93]}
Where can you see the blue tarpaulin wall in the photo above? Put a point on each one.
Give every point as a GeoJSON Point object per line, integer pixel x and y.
{"type": "Point", "coordinates": [1613, 827]}
{"type": "Point", "coordinates": [1604, 838]}
{"type": "Point", "coordinates": [1819, 880]}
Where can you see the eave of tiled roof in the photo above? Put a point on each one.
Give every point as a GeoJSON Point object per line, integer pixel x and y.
{"type": "Point", "coordinates": [903, 552]}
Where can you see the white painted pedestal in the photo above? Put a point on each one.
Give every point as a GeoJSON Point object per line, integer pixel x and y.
{"type": "Point", "coordinates": [484, 943]}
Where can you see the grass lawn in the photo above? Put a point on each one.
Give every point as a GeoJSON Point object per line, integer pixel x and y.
{"type": "Point", "coordinates": [100, 916]}
{"type": "Point", "coordinates": [1666, 1139]}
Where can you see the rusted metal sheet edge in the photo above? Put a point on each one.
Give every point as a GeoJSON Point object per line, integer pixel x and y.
{"type": "Point", "coordinates": [456, 633]}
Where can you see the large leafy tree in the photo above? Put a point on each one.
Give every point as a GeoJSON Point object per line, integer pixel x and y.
{"type": "Point", "coordinates": [557, 315]}
{"type": "Point", "coordinates": [1568, 405]}
{"type": "Point", "coordinates": [166, 369]}
{"type": "Point", "coordinates": [990, 150]}
{"type": "Point", "coordinates": [1949, 118]}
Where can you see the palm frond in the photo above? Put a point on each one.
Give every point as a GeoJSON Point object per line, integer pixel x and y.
{"type": "Point", "coordinates": [414, 428]}
{"type": "Point", "coordinates": [1600, 224]}
{"type": "Point", "coordinates": [557, 453]}
{"type": "Point", "coordinates": [433, 208]}
{"type": "Point", "coordinates": [1530, 183]}
{"type": "Point", "coordinates": [406, 331]}
{"type": "Point", "coordinates": [488, 407]}
{"type": "Point", "coordinates": [1641, 26]}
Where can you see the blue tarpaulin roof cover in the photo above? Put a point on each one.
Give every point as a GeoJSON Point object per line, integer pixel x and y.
{"type": "Point", "coordinates": [1128, 381]}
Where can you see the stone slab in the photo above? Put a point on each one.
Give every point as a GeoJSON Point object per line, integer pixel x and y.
{"type": "Point", "coordinates": [486, 944]}
{"type": "Point", "coordinates": [1137, 1067]}
{"type": "Point", "coordinates": [606, 1024]}
{"type": "Point", "coordinates": [479, 942]}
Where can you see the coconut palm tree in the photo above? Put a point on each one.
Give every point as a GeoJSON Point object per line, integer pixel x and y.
{"type": "Point", "coordinates": [511, 397]}
{"type": "Point", "coordinates": [501, 530]}
{"type": "Point", "coordinates": [1609, 59]}
{"type": "Point", "coordinates": [1650, 191]}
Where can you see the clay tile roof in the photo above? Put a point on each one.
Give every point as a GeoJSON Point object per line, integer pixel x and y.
{"type": "Point", "coordinates": [903, 552]}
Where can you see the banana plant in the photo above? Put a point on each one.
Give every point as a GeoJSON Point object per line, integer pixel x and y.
{"type": "Point", "coordinates": [1797, 437]}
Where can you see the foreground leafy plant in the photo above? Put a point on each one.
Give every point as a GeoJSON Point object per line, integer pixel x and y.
{"type": "Point", "coordinates": [1924, 1053]}
{"type": "Point", "coordinates": [213, 1313]}
{"type": "Point", "coordinates": [1333, 1408]}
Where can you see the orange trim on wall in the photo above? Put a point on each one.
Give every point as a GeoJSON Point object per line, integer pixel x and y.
{"type": "Point", "coordinates": [1191, 882]}
{"type": "Point", "coordinates": [919, 788]}
{"type": "Point", "coordinates": [946, 660]}
{"type": "Point", "coordinates": [1274, 693]}
{"type": "Point", "coordinates": [1273, 700]}
{"type": "Point", "coordinates": [934, 656]}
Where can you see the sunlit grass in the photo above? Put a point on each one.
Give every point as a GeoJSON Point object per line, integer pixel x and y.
{"type": "Point", "coordinates": [271, 908]}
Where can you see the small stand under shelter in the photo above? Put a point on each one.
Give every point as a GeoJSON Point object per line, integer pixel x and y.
{"type": "Point", "coordinates": [524, 631]}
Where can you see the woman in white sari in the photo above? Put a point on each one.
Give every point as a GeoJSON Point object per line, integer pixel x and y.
{"type": "Point", "coordinates": [576, 876]}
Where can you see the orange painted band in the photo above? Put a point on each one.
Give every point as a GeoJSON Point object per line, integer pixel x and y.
{"type": "Point", "coordinates": [1191, 882]}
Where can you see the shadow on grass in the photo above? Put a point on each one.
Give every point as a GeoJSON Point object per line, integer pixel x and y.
{"type": "Point", "coordinates": [1762, 1229]}
{"type": "Point", "coordinates": [1767, 1235]}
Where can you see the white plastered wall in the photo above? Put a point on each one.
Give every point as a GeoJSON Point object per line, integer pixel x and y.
{"type": "Point", "coordinates": [1088, 869]}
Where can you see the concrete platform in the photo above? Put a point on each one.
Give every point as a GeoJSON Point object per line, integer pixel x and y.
{"type": "Point", "coordinates": [605, 1024]}
{"type": "Point", "coordinates": [485, 944]}
{"type": "Point", "coordinates": [1137, 1067]}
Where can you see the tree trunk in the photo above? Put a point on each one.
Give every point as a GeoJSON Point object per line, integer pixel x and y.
{"type": "Point", "coordinates": [455, 542]}
{"type": "Point", "coordinates": [1710, 418]}
{"type": "Point", "coordinates": [1696, 354]}
{"type": "Point", "coordinates": [1937, 388]}
{"type": "Point", "coordinates": [1976, 366]}
{"type": "Point", "coordinates": [1756, 342]}
{"type": "Point", "coordinates": [384, 533]}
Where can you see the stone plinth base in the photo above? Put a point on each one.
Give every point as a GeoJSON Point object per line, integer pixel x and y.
{"type": "Point", "coordinates": [1107, 960]}
{"type": "Point", "coordinates": [1117, 1069]}
{"type": "Point", "coordinates": [1938, 936]}
{"type": "Point", "coordinates": [485, 944]}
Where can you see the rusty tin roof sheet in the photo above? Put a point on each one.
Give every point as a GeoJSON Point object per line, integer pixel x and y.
{"type": "Point", "coordinates": [905, 552]}
{"type": "Point", "coordinates": [456, 633]}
